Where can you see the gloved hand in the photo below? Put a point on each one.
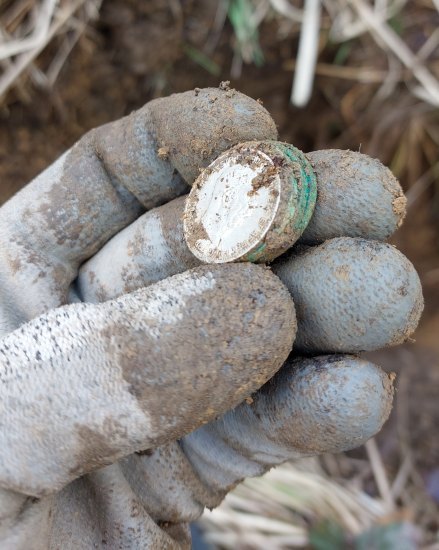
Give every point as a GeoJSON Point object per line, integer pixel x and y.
{"type": "Point", "coordinates": [121, 421]}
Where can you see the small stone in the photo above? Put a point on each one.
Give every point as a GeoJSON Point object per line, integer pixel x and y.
{"type": "Point", "coordinates": [163, 153]}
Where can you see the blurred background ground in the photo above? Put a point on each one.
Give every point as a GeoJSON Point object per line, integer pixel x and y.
{"type": "Point", "coordinates": [70, 65]}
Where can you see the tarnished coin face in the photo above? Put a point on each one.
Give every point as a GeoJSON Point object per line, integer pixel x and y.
{"type": "Point", "coordinates": [248, 204]}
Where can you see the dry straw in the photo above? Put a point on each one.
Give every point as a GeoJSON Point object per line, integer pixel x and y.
{"type": "Point", "coordinates": [278, 510]}
{"type": "Point", "coordinates": [27, 27]}
{"type": "Point", "coordinates": [350, 19]}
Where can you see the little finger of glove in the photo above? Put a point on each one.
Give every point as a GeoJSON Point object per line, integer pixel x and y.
{"type": "Point", "coordinates": [310, 407]}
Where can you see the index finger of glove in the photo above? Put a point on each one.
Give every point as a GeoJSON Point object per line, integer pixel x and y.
{"type": "Point", "coordinates": [106, 181]}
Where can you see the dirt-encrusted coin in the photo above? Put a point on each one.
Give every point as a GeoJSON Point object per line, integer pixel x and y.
{"type": "Point", "coordinates": [251, 204]}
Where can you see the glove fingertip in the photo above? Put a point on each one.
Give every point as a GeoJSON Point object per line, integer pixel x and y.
{"type": "Point", "coordinates": [194, 127]}
{"type": "Point", "coordinates": [329, 403]}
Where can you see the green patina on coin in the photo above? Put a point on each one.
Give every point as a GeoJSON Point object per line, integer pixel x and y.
{"type": "Point", "coordinates": [300, 202]}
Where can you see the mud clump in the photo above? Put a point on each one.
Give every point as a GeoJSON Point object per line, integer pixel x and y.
{"type": "Point", "coordinates": [263, 180]}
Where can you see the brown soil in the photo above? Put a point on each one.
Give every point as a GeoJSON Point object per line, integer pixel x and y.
{"type": "Point", "coordinates": [114, 69]}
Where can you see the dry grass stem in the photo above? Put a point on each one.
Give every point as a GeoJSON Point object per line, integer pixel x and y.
{"type": "Point", "coordinates": [48, 19]}
{"type": "Point", "coordinates": [284, 501]}
{"type": "Point", "coordinates": [430, 85]}
{"type": "Point", "coordinates": [284, 8]}
{"type": "Point", "coordinates": [380, 475]}
{"type": "Point", "coordinates": [37, 37]}
{"type": "Point", "coordinates": [401, 478]}
{"type": "Point", "coordinates": [307, 54]}
{"type": "Point", "coordinates": [366, 75]}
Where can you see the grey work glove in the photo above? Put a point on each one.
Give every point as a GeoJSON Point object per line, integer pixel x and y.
{"type": "Point", "coordinates": [121, 421]}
